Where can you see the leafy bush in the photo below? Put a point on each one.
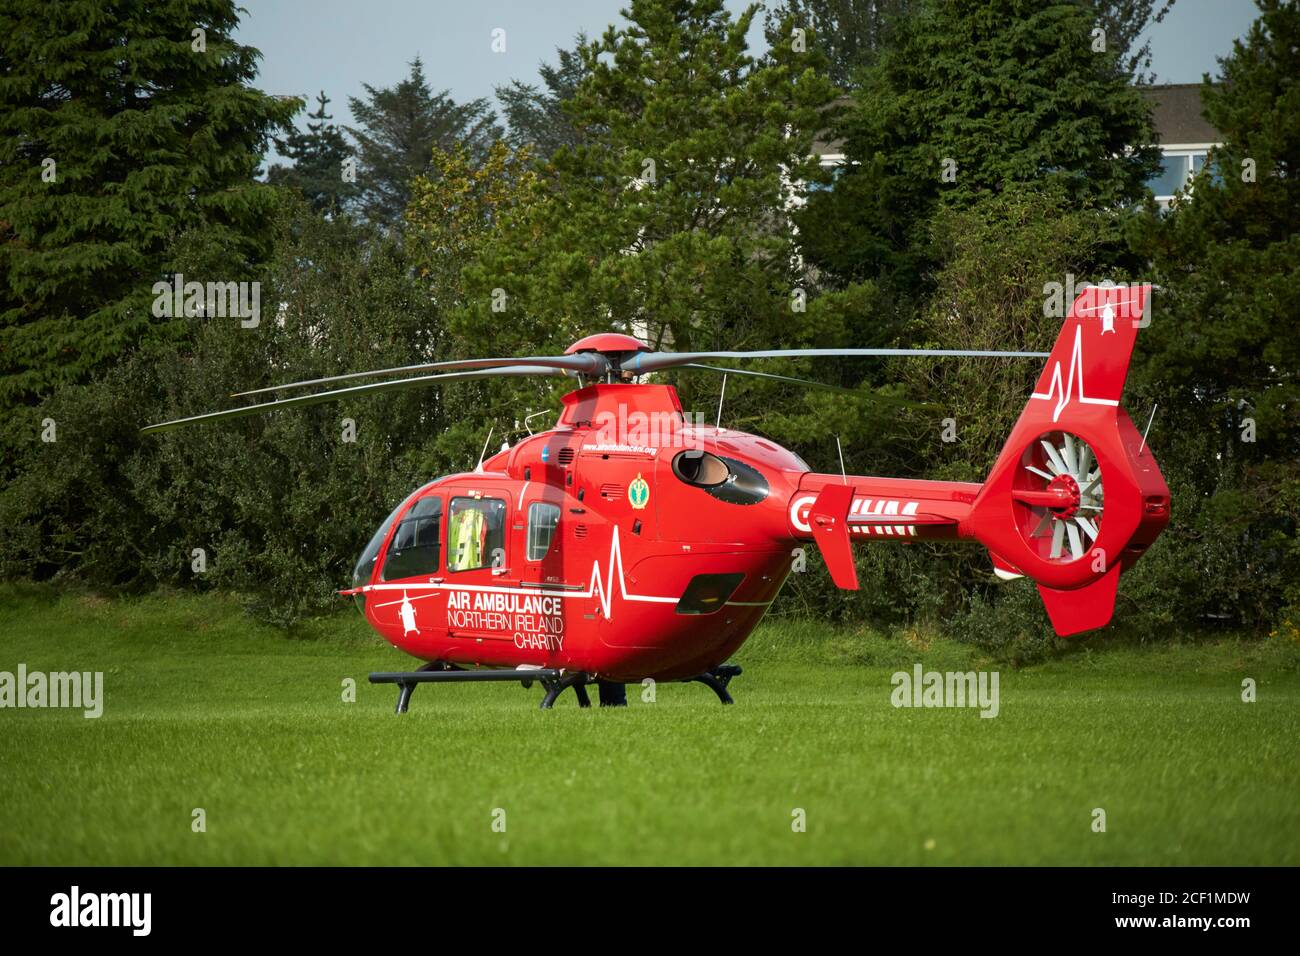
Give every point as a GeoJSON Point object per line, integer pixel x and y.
{"type": "Point", "coordinates": [279, 503]}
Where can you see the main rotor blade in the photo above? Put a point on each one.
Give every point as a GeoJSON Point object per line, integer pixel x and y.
{"type": "Point", "coordinates": [857, 393]}
{"type": "Point", "coordinates": [644, 362]}
{"type": "Point", "coordinates": [586, 363]}
{"type": "Point", "coordinates": [423, 381]}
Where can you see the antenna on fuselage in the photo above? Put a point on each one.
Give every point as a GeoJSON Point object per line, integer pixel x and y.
{"type": "Point", "coordinates": [1148, 428]}
{"type": "Point", "coordinates": [479, 466]}
{"type": "Point", "coordinates": [721, 396]}
{"type": "Point", "coordinates": [533, 415]}
{"type": "Point", "coordinates": [840, 448]}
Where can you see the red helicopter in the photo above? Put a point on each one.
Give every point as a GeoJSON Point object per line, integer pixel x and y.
{"type": "Point", "coordinates": [630, 542]}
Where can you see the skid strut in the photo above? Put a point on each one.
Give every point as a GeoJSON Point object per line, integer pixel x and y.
{"type": "Point", "coordinates": [553, 681]}
{"type": "Point", "coordinates": [555, 687]}
{"type": "Point", "coordinates": [718, 679]}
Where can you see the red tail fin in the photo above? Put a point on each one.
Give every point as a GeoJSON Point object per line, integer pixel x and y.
{"type": "Point", "coordinates": [1076, 496]}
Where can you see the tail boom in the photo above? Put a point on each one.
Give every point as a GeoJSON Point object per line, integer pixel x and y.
{"type": "Point", "coordinates": [836, 511]}
{"type": "Point", "coordinates": [897, 509]}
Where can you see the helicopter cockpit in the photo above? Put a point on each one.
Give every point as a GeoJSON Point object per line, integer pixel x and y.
{"type": "Point", "coordinates": [475, 539]}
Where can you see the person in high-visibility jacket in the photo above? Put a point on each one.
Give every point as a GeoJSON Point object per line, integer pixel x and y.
{"type": "Point", "coordinates": [465, 540]}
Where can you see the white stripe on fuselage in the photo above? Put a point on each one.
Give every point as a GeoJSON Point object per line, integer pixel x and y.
{"type": "Point", "coordinates": [863, 507]}
{"type": "Point", "coordinates": [602, 590]}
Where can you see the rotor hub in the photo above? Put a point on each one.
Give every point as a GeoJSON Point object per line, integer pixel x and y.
{"type": "Point", "coordinates": [1066, 490]}
{"type": "Point", "coordinates": [607, 343]}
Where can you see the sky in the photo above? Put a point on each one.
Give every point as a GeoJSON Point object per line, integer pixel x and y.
{"type": "Point", "coordinates": [337, 45]}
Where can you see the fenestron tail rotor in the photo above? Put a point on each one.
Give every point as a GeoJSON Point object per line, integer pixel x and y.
{"type": "Point", "coordinates": [1060, 488]}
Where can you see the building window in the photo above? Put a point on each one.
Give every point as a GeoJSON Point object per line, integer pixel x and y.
{"type": "Point", "coordinates": [836, 166]}
{"type": "Point", "coordinates": [542, 521]}
{"type": "Point", "coordinates": [1177, 168]}
{"type": "Point", "coordinates": [414, 548]}
{"type": "Point", "coordinates": [476, 534]}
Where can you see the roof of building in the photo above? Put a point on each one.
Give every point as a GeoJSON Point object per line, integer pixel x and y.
{"type": "Point", "coordinates": [1176, 112]}
{"type": "Point", "coordinates": [823, 144]}
{"type": "Point", "coordinates": [1176, 115]}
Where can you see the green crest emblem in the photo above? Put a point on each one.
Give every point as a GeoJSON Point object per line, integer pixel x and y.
{"type": "Point", "coordinates": [638, 492]}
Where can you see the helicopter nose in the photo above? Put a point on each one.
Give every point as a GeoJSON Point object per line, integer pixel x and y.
{"type": "Point", "coordinates": [358, 597]}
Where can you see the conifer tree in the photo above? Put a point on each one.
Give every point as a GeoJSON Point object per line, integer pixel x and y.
{"type": "Point", "coordinates": [535, 115]}
{"type": "Point", "coordinates": [1222, 354]}
{"type": "Point", "coordinates": [318, 159]}
{"type": "Point", "coordinates": [398, 129]}
{"type": "Point", "coordinates": [971, 96]}
{"type": "Point", "coordinates": [851, 33]}
{"type": "Point", "coordinates": [669, 216]}
{"type": "Point", "coordinates": [121, 124]}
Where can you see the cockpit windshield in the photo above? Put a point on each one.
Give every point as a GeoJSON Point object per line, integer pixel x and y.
{"type": "Point", "coordinates": [366, 563]}
{"type": "Point", "coordinates": [413, 549]}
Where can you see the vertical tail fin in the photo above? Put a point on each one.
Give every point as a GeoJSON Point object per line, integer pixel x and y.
{"type": "Point", "coordinates": [1076, 496]}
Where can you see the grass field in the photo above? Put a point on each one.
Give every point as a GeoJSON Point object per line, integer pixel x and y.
{"type": "Point", "coordinates": [204, 709]}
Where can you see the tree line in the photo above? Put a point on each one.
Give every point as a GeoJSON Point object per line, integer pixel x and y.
{"type": "Point", "coordinates": [990, 150]}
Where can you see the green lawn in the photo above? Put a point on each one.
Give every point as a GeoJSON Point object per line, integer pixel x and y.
{"type": "Point", "coordinates": [205, 709]}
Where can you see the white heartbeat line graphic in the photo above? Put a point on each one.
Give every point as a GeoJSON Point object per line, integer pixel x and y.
{"type": "Point", "coordinates": [1063, 393]}
{"type": "Point", "coordinates": [606, 593]}
{"type": "Point", "coordinates": [602, 590]}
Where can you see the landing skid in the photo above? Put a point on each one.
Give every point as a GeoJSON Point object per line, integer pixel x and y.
{"type": "Point", "coordinates": [553, 681]}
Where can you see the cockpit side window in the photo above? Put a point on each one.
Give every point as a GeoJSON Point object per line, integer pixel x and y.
{"type": "Point", "coordinates": [476, 534]}
{"type": "Point", "coordinates": [543, 518]}
{"type": "Point", "coordinates": [414, 548]}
